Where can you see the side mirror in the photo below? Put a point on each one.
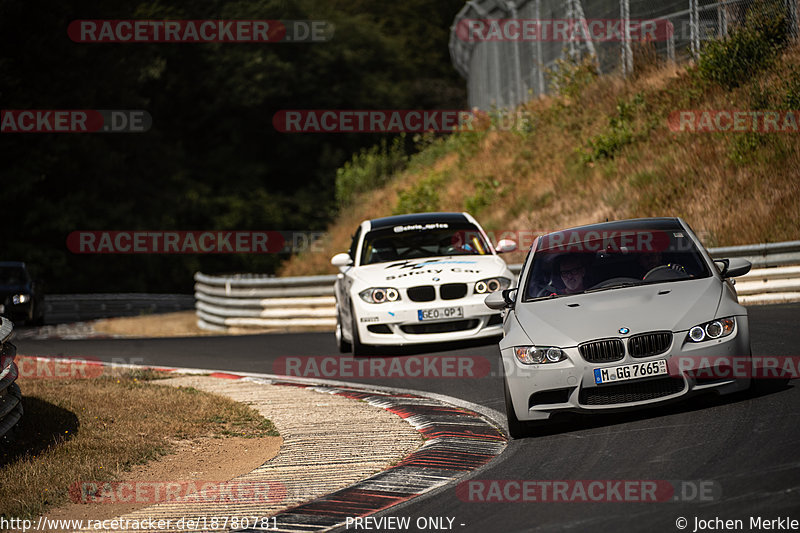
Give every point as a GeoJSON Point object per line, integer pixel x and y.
{"type": "Point", "coordinates": [505, 246]}
{"type": "Point", "coordinates": [734, 267]}
{"type": "Point", "coordinates": [501, 300]}
{"type": "Point", "coordinates": [341, 260]}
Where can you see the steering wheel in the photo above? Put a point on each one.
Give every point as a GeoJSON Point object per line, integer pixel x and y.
{"type": "Point", "coordinates": [546, 291]}
{"type": "Point", "coordinates": [671, 271]}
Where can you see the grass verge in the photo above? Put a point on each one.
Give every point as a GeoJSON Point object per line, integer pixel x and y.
{"type": "Point", "coordinates": [97, 429]}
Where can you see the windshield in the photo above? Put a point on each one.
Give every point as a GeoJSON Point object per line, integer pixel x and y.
{"type": "Point", "coordinates": [12, 275]}
{"type": "Point", "coordinates": [580, 261]}
{"type": "Point", "coordinates": [422, 240]}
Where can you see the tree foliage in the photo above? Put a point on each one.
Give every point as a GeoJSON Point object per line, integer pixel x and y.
{"type": "Point", "coordinates": [212, 159]}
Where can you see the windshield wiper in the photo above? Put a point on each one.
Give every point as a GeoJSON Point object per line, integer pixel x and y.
{"type": "Point", "coordinates": [615, 286]}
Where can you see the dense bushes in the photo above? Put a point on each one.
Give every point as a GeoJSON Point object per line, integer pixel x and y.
{"type": "Point", "coordinates": [751, 48]}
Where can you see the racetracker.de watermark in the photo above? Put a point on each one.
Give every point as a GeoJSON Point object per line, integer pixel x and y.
{"type": "Point", "coordinates": [59, 368]}
{"type": "Point", "coordinates": [734, 121]}
{"type": "Point", "coordinates": [564, 30]}
{"type": "Point", "coordinates": [195, 242]}
{"type": "Point", "coordinates": [735, 367]}
{"type": "Point", "coordinates": [127, 492]}
{"type": "Point", "coordinates": [200, 31]}
{"type": "Point", "coordinates": [75, 121]}
{"type": "Point", "coordinates": [371, 120]}
{"type": "Point", "coordinates": [340, 367]}
{"type": "Point", "coordinates": [587, 491]}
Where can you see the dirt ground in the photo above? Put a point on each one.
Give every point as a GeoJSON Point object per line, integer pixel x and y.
{"type": "Point", "coordinates": [207, 459]}
{"type": "Point", "coordinates": [181, 324]}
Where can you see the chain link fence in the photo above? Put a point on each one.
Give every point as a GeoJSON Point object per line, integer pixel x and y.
{"type": "Point", "coordinates": [507, 50]}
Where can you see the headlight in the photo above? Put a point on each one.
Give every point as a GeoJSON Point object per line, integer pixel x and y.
{"type": "Point", "coordinates": [20, 298]}
{"type": "Point", "coordinates": [380, 295]}
{"type": "Point", "coordinates": [536, 355]}
{"type": "Point", "coordinates": [485, 286]}
{"type": "Point", "coordinates": [716, 329]}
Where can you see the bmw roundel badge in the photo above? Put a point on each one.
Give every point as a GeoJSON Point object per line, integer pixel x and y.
{"type": "Point", "coordinates": [624, 331]}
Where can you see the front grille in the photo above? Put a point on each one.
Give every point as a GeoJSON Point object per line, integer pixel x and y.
{"type": "Point", "coordinates": [631, 392]}
{"type": "Point", "coordinates": [602, 351]}
{"type": "Point", "coordinates": [453, 291]}
{"type": "Point", "coordinates": [649, 344]}
{"type": "Point", "coordinates": [422, 293]}
{"type": "Point", "coordinates": [440, 327]}
{"type": "Point", "coordinates": [382, 329]}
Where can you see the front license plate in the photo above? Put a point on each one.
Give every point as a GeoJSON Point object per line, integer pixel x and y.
{"type": "Point", "coordinates": [440, 313]}
{"type": "Point", "coordinates": [628, 372]}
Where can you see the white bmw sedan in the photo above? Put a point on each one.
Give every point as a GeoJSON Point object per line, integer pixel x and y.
{"type": "Point", "coordinates": [620, 315]}
{"type": "Point", "coordinates": [417, 279]}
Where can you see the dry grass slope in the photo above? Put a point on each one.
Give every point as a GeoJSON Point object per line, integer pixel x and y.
{"type": "Point", "coordinates": [607, 152]}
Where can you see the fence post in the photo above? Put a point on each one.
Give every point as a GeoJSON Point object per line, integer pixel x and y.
{"type": "Point", "coordinates": [694, 26]}
{"type": "Point", "coordinates": [671, 42]}
{"type": "Point", "coordinates": [792, 10]}
{"type": "Point", "coordinates": [517, 65]}
{"type": "Point", "coordinates": [627, 51]}
{"type": "Point", "coordinates": [539, 62]}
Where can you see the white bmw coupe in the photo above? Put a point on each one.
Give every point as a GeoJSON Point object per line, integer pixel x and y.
{"type": "Point", "coordinates": [417, 279]}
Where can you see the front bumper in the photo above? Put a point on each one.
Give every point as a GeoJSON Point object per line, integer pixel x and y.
{"type": "Point", "coordinates": [539, 391]}
{"type": "Point", "coordinates": [398, 323]}
{"type": "Point", "coordinates": [17, 312]}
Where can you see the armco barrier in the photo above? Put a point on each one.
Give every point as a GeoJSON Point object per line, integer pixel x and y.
{"type": "Point", "coordinates": [10, 395]}
{"type": "Point", "coordinates": [250, 302]}
{"type": "Point", "coordinates": [61, 308]}
{"type": "Point", "coordinates": [264, 303]}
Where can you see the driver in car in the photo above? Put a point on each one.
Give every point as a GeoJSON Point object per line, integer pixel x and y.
{"type": "Point", "coordinates": [572, 271]}
{"type": "Point", "coordinates": [651, 260]}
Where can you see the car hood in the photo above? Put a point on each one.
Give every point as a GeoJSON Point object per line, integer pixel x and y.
{"type": "Point", "coordinates": [571, 320]}
{"type": "Point", "coordinates": [14, 288]}
{"type": "Point", "coordinates": [432, 270]}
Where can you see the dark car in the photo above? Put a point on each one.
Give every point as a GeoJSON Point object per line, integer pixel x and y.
{"type": "Point", "coordinates": [21, 299]}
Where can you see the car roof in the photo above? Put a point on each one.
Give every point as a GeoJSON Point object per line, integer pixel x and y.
{"type": "Point", "coordinates": [656, 223]}
{"type": "Point", "coordinates": [418, 218]}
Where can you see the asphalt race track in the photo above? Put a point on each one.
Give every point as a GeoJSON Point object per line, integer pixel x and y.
{"type": "Point", "coordinates": [746, 446]}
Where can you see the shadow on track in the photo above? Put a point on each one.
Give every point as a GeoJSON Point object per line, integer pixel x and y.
{"type": "Point", "coordinates": [561, 423]}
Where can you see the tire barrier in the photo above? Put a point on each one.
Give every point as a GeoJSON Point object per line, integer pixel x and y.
{"type": "Point", "coordinates": [249, 302]}
{"type": "Point", "coordinates": [10, 395]}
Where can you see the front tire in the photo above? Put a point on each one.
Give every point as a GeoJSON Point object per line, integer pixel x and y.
{"type": "Point", "coordinates": [516, 429]}
{"type": "Point", "coordinates": [358, 348]}
{"type": "Point", "coordinates": [343, 345]}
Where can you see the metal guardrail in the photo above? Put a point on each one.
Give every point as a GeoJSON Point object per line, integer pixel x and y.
{"type": "Point", "coordinates": [250, 302]}
{"type": "Point", "coordinates": [10, 395]}
{"type": "Point", "coordinates": [61, 308]}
